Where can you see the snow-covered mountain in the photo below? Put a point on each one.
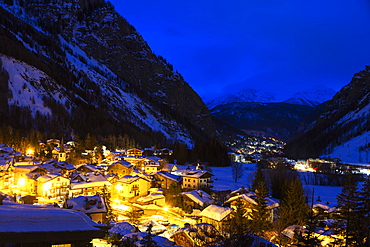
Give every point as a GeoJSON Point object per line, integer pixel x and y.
{"type": "Point", "coordinates": [279, 120]}
{"type": "Point", "coordinates": [77, 66]}
{"type": "Point", "coordinates": [245, 95]}
{"type": "Point", "coordinates": [342, 130]}
{"type": "Point", "coordinates": [252, 109]}
{"type": "Point", "coordinates": [312, 97]}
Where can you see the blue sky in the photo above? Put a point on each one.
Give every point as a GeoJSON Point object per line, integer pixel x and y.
{"type": "Point", "coordinates": [278, 46]}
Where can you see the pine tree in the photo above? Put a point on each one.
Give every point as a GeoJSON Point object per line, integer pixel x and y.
{"type": "Point", "coordinates": [133, 216]}
{"type": "Point", "coordinates": [363, 222]}
{"type": "Point", "coordinates": [148, 241]}
{"type": "Point", "coordinates": [293, 208]}
{"type": "Point", "coordinates": [260, 214]}
{"type": "Point", "coordinates": [111, 217]}
{"type": "Point", "coordinates": [258, 177]}
{"type": "Point", "coordinates": [239, 223]}
{"type": "Point", "coordinates": [114, 239]}
{"type": "Point", "coordinates": [347, 201]}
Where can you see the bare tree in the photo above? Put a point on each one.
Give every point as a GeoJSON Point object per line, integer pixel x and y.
{"type": "Point", "coordinates": [237, 171]}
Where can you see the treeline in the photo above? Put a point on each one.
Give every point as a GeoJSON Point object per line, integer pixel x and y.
{"type": "Point", "coordinates": [353, 222]}
{"type": "Point", "coordinates": [212, 152]}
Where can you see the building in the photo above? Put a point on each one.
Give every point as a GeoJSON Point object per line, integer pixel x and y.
{"type": "Point", "coordinates": [28, 226]}
{"type": "Point", "coordinates": [151, 165]}
{"type": "Point", "coordinates": [130, 186]}
{"type": "Point", "coordinates": [196, 180]}
{"type": "Point", "coordinates": [92, 206]}
{"type": "Point", "coordinates": [217, 216]}
{"type": "Point", "coordinates": [88, 184]}
{"type": "Point", "coordinates": [249, 200]}
{"type": "Point", "coordinates": [165, 179]}
{"type": "Point", "coordinates": [120, 168]}
{"type": "Point", "coordinates": [196, 199]}
{"type": "Point", "coordinates": [52, 186]}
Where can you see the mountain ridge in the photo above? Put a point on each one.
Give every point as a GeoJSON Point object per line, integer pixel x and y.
{"type": "Point", "coordinates": [105, 70]}
{"type": "Point", "coordinates": [310, 97]}
{"type": "Point", "coordinates": [344, 118]}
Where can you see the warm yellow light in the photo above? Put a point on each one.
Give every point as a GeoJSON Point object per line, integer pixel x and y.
{"type": "Point", "coordinates": [22, 182]}
{"type": "Point", "coordinates": [121, 207]}
{"type": "Point", "coordinates": [119, 187]}
{"type": "Point", "coordinates": [165, 208]}
{"type": "Point", "coordinates": [30, 152]}
{"type": "Point", "coordinates": [46, 186]}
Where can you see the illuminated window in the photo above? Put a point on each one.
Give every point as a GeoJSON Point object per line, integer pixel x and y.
{"type": "Point", "coordinates": [61, 245]}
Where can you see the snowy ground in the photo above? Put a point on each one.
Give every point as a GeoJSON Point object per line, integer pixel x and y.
{"type": "Point", "coordinates": [223, 181]}
{"type": "Point", "coordinates": [349, 152]}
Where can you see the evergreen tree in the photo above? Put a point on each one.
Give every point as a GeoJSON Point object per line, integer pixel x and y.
{"type": "Point", "coordinates": [364, 213]}
{"type": "Point", "coordinates": [114, 239]}
{"type": "Point", "coordinates": [258, 177]}
{"type": "Point", "coordinates": [293, 208]}
{"type": "Point", "coordinates": [239, 223]}
{"type": "Point", "coordinates": [173, 195]}
{"type": "Point", "coordinates": [133, 216]}
{"type": "Point", "coordinates": [260, 214]}
{"type": "Point", "coordinates": [111, 217]}
{"type": "Point", "coordinates": [148, 241]}
{"type": "Point", "coordinates": [347, 201]}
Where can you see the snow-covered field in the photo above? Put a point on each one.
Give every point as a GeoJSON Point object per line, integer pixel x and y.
{"type": "Point", "coordinates": [349, 152]}
{"type": "Point", "coordinates": [223, 180]}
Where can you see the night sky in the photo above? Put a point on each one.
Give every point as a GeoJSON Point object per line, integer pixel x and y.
{"type": "Point", "coordinates": [278, 46]}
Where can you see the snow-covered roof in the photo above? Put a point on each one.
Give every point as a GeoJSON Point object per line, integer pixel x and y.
{"type": "Point", "coordinates": [251, 197]}
{"type": "Point", "coordinates": [216, 212]}
{"type": "Point", "coordinates": [48, 177]}
{"type": "Point", "coordinates": [196, 174]}
{"type": "Point", "coordinates": [87, 204]}
{"type": "Point", "coordinates": [30, 218]}
{"type": "Point", "coordinates": [122, 228]}
{"type": "Point", "coordinates": [199, 197]}
{"type": "Point", "coordinates": [89, 180]}
{"type": "Point", "coordinates": [122, 162]}
{"type": "Point", "coordinates": [88, 166]}
{"type": "Point", "coordinates": [139, 236]}
{"type": "Point", "coordinates": [128, 179]}
{"type": "Point", "coordinates": [6, 149]}
{"type": "Point", "coordinates": [170, 176]}
{"type": "Point", "coordinates": [151, 197]}
{"type": "Point", "coordinates": [65, 165]}
{"type": "Point", "coordinates": [325, 207]}
{"type": "Point", "coordinates": [25, 168]}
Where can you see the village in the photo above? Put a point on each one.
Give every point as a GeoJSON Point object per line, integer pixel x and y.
{"type": "Point", "coordinates": [170, 195]}
{"type": "Point", "coordinates": [139, 187]}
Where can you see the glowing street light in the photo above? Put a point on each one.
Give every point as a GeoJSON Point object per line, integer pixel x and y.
{"type": "Point", "coordinates": [30, 152]}
{"type": "Point", "coordinates": [21, 182]}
